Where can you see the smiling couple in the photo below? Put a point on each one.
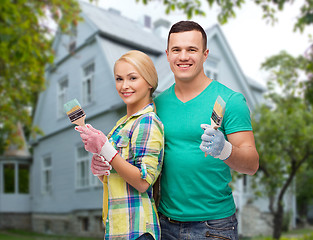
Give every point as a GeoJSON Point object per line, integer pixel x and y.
{"type": "Point", "coordinates": [196, 201]}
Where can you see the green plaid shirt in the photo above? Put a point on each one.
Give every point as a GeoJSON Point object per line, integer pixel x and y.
{"type": "Point", "coordinates": [140, 141]}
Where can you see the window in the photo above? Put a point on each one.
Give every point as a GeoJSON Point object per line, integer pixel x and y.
{"type": "Point", "coordinates": [47, 226]}
{"type": "Point", "coordinates": [94, 181]}
{"type": "Point", "coordinates": [23, 178]}
{"type": "Point", "coordinates": [82, 169]}
{"type": "Point", "coordinates": [66, 226]}
{"type": "Point", "coordinates": [84, 224]}
{"type": "Point", "coordinates": [211, 69]}
{"type": "Point", "coordinates": [15, 178]}
{"type": "Point", "coordinates": [46, 175]}
{"type": "Point", "coordinates": [62, 96]}
{"type": "Point", "coordinates": [84, 176]}
{"type": "Point", "coordinates": [88, 75]}
{"type": "Point", "coordinates": [99, 220]}
{"type": "Point", "coordinates": [9, 177]}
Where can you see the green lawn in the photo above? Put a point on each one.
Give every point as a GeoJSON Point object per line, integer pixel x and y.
{"type": "Point", "coordinates": [25, 235]}
{"type": "Point", "coordinates": [300, 234]}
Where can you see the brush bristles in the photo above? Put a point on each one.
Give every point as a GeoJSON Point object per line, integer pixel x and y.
{"type": "Point", "coordinates": [219, 106]}
{"type": "Point", "coordinates": [71, 106]}
{"type": "Point", "coordinates": [218, 111]}
{"type": "Point", "coordinates": [73, 110]}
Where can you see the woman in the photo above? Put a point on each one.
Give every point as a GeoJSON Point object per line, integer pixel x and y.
{"type": "Point", "coordinates": [134, 148]}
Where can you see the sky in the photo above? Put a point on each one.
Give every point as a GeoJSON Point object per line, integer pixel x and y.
{"type": "Point", "coordinates": [251, 39]}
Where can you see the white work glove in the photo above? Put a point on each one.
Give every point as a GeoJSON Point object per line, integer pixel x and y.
{"type": "Point", "coordinates": [96, 142]}
{"type": "Point", "coordinates": [99, 166]}
{"type": "Point", "coordinates": [214, 143]}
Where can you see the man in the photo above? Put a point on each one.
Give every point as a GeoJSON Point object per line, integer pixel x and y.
{"type": "Point", "coordinates": [196, 200]}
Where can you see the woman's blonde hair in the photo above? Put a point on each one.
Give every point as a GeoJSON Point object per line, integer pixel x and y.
{"type": "Point", "coordinates": [144, 65]}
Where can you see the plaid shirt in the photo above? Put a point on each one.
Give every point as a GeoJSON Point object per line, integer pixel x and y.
{"type": "Point", "coordinates": [140, 141]}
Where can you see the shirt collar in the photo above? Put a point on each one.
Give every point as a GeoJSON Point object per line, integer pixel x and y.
{"type": "Point", "coordinates": [146, 109]}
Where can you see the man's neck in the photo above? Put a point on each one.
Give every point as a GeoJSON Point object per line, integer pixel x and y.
{"type": "Point", "coordinates": [185, 91]}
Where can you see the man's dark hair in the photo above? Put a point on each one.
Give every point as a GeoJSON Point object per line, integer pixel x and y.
{"type": "Point", "coordinates": [186, 26]}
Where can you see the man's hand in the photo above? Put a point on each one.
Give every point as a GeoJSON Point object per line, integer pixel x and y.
{"type": "Point", "coordinates": [99, 166]}
{"type": "Point", "coordinates": [214, 143]}
{"type": "Point", "coordinates": [96, 142]}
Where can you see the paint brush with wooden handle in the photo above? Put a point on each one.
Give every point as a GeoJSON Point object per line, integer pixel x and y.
{"type": "Point", "coordinates": [75, 113]}
{"type": "Point", "coordinates": [217, 114]}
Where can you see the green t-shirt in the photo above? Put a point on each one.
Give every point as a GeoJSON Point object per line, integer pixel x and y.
{"type": "Point", "coordinates": [195, 188]}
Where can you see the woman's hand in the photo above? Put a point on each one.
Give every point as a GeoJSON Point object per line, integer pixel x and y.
{"type": "Point", "coordinates": [92, 138]}
{"type": "Point", "coordinates": [99, 166]}
{"type": "Point", "coordinates": [96, 142]}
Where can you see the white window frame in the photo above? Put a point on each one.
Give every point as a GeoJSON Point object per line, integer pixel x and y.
{"type": "Point", "coordinates": [62, 96]}
{"type": "Point", "coordinates": [82, 168]}
{"type": "Point", "coordinates": [84, 177]}
{"type": "Point", "coordinates": [46, 183]}
{"type": "Point", "coordinates": [88, 73]}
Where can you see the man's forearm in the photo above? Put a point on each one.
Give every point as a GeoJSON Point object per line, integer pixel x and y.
{"type": "Point", "coordinates": [244, 159]}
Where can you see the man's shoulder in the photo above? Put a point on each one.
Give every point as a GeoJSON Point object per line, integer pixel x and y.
{"type": "Point", "coordinates": [227, 93]}
{"type": "Point", "coordinates": [224, 88]}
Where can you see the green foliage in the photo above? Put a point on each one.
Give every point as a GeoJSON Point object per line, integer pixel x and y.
{"type": "Point", "coordinates": [227, 9]}
{"type": "Point", "coordinates": [25, 50]}
{"type": "Point", "coordinates": [308, 55]}
{"type": "Point", "coordinates": [283, 128]}
{"type": "Point", "coordinates": [304, 186]}
{"type": "Point", "coordinates": [189, 8]}
{"type": "Point", "coordinates": [283, 132]}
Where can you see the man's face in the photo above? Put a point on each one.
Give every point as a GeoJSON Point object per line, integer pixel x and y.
{"type": "Point", "coordinates": [186, 55]}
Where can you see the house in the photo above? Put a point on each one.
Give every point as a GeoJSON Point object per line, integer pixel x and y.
{"type": "Point", "coordinates": [15, 199]}
{"type": "Point", "coordinates": [64, 197]}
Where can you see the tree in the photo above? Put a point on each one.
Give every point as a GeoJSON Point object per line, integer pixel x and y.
{"type": "Point", "coordinates": [227, 9]}
{"type": "Point", "coordinates": [25, 50]}
{"type": "Point", "coordinates": [283, 132]}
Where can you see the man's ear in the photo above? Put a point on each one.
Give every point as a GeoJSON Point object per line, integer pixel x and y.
{"type": "Point", "coordinates": [166, 51]}
{"type": "Point", "coordinates": [206, 53]}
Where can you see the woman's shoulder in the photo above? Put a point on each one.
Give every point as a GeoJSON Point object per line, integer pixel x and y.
{"type": "Point", "coordinates": [150, 117]}
{"type": "Point", "coordinates": [150, 120]}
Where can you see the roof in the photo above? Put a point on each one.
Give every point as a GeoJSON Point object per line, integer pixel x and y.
{"type": "Point", "coordinates": [121, 29]}
{"type": "Point", "coordinates": [256, 85]}
{"type": "Point", "coordinates": [215, 30]}
{"type": "Point", "coordinates": [14, 151]}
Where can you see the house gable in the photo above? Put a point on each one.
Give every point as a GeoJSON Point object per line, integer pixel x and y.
{"type": "Point", "coordinates": [231, 75]}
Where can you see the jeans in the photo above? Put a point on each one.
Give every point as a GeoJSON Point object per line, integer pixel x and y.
{"type": "Point", "coordinates": [220, 229]}
{"type": "Point", "coordinates": [146, 236]}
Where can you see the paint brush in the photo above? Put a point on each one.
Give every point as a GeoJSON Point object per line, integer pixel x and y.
{"type": "Point", "coordinates": [217, 114]}
{"type": "Point", "coordinates": [75, 113]}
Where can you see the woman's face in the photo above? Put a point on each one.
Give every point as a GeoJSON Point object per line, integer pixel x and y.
{"type": "Point", "coordinates": [131, 86]}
